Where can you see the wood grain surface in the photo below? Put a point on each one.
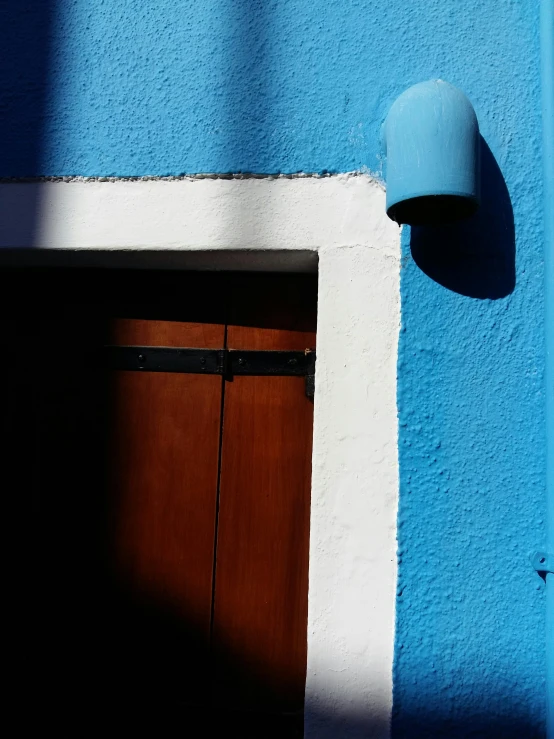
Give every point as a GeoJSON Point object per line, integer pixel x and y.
{"type": "Point", "coordinates": [261, 593]}
{"type": "Point", "coordinates": [163, 464]}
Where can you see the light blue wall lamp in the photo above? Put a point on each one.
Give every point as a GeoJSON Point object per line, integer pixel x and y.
{"type": "Point", "coordinates": [432, 142]}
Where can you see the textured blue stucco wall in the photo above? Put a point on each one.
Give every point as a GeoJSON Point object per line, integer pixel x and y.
{"type": "Point", "coordinates": [126, 87]}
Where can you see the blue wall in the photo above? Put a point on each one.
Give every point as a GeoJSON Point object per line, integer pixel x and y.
{"type": "Point", "coordinates": [126, 87]}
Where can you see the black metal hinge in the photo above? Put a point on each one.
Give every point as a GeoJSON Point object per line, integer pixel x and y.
{"type": "Point", "coordinates": [226, 362]}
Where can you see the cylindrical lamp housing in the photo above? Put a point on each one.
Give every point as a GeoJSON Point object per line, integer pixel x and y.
{"type": "Point", "coordinates": [432, 144]}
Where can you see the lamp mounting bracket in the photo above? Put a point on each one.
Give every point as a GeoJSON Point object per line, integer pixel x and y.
{"type": "Point", "coordinates": [543, 562]}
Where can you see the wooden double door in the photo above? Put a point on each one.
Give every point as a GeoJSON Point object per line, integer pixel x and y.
{"type": "Point", "coordinates": [159, 522]}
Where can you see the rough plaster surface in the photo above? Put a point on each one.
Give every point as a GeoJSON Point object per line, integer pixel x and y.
{"type": "Point", "coordinates": [131, 88]}
{"type": "Point", "coordinates": [354, 523]}
{"type": "Point", "coordinates": [341, 221]}
{"type": "Point", "coordinates": [470, 634]}
{"type": "Point", "coordinates": [306, 213]}
{"type": "Point", "coordinates": [470, 630]}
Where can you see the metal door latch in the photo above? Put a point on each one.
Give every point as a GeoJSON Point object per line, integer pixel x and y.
{"type": "Point", "coordinates": [226, 362]}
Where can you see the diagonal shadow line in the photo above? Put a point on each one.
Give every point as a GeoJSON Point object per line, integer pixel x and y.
{"type": "Point", "coordinates": [25, 44]}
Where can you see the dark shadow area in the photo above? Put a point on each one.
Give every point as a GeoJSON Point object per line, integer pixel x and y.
{"type": "Point", "coordinates": [25, 35]}
{"type": "Point", "coordinates": [248, 100]}
{"type": "Point", "coordinates": [430, 723]}
{"type": "Point", "coordinates": [427, 723]}
{"type": "Point", "coordinates": [25, 38]}
{"type": "Point", "coordinates": [13, 232]}
{"type": "Point", "coordinates": [97, 636]}
{"type": "Point", "coordinates": [475, 257]}
{"type": "Point", "coordinates": [436, 209]}
{"type": "Point", "coordinates": [205, 297]}
{"type": "Point", "coordinates": [87, 644]}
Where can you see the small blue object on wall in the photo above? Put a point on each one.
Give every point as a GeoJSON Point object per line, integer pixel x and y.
{"type": "Point", "coordinates": [432, 145]}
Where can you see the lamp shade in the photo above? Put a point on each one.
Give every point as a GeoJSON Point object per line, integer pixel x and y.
{"type": "Point", "coordinates": [432, 143]}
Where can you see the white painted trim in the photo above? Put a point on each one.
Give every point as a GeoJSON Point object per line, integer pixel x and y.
{"type": "Point", "coordinates": [297, 214]}
{"type": "Point", "coordinates": [242, 224]}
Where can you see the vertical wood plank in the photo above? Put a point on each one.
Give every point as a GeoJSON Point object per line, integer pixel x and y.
{"type": "Point", "coordinates": [163, 480]}
{"type": "Point", "coordinates": [261, 587]}
{"type": "Point", "coordinates": [141, 332]}
{"type": "Point", "coordinates": [163, 465]}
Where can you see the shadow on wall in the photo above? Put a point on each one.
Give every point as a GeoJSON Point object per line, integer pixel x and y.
{"type": "Point", "coordinates": [428, 724]}
{"type": "Point", "coordinates": [474, 257]}
{"type": "Point", "coordinates": [25, 35]}
{"type": "Point", "coordinates": [62, 658]}
{"type": "Point", "coordinates": [91, 641]}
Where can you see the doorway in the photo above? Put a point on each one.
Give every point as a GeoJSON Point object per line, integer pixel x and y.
{"type": "Point", "coordinates": [160, 525]}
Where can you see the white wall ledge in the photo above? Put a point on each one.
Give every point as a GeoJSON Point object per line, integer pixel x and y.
{"type": "Point", "coordinates": [282, 214]}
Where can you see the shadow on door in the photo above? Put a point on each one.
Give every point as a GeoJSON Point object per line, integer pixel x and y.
{"type": "Point", "coordinates": [158, 523]}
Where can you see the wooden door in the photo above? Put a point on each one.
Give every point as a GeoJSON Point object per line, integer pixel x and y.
{"type": "Point", "coordinates": [262, 552]}
{"type": "Point", "coordinates": [163, 519]}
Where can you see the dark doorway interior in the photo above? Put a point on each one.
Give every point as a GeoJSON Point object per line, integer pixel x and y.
{"type": "Point", "coordinates": [157, 524]}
